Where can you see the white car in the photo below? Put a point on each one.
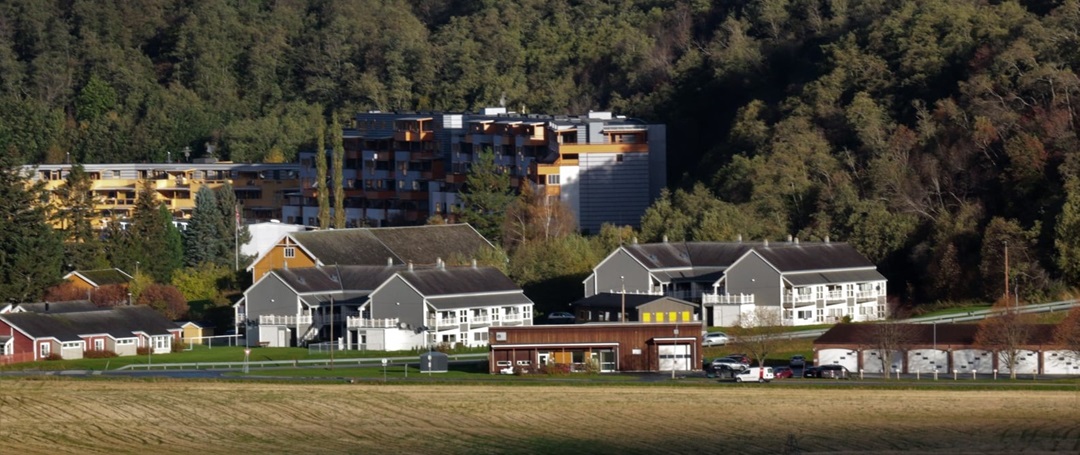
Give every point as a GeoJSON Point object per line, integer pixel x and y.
{"type": "Point", "coordinates": [714, 339]}
{"type": "Point", "coordinates": [755, 374]}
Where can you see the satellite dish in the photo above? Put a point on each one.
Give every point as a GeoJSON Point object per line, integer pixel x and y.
{"type": "Point", "coordinates": [403, 326]}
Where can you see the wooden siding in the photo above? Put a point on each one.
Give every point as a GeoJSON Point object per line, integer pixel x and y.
{"type": "Point", "coordinates": [275, 259]}
{"type": "Point", "coordinates": [525, 343]}
{"type": "Point", "coordinates": [80, 283]}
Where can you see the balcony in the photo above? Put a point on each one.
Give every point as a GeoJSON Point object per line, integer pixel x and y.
{"type": "Point", "coordinates": [289, 321]}
{"type": "Point", "coordinates": [727, 299]}
{"type": "Point", "coordinates": [356, 322]}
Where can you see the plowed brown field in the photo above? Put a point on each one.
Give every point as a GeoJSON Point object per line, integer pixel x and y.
{"type": "Point", "coordinates": [68, 416]}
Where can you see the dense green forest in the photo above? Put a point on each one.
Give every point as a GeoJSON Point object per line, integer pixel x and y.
{"type": "Point", "coordinates": [928, 133]}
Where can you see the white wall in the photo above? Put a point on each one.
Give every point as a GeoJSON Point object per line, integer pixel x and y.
{"type": "Point", "coordinates": [1061, 362]}
{"type": "Point", "coordinates": [1027, 362]}
{"type": "Point", "coordinates": [966, 360]}
{"type": "Point", "coordinates": [265, 235]}
{"type": "Point", "coordinates": [927, 360]}
{"type": "Point", "coordinates": [845, 357]}
{"type": "Point", "coordinates": [872, 361]}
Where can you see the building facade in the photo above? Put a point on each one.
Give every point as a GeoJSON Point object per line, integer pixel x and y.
{"type": "Point", "coordinates": [801, 283]}
{"type": "Point", "coordinates": [260, 188]}
{"type": "Point", "coordinates": [404, 168]}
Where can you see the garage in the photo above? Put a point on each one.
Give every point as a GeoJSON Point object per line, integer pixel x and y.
{"type": "Point", "coordinates": [872, 361]}
{"type": "Point", "coordinates": [674, 357]}
{"type": "Point", "coordinates": [846, 357]}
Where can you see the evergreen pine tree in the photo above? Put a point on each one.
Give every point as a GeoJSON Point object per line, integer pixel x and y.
{"type": "Point", "coordinates": [486, 196]}
{"type": "Point", "coordinates": [74, 214]}
{"type": "Point", "coordinates": [234, 230]}
{"type": "Point", "coordinates": [155, 240]}
{"type": "Point", "coordinates": [31, 253]}
{"type": "Point", "coordinates": [203, 239]}
{"type": "Point", "coordinates": [339, 175]}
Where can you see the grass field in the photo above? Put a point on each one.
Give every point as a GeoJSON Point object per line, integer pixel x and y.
{"type": "Point", "coordinates": [60, 416]}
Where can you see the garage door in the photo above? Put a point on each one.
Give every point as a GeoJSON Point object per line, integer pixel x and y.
{"type": "Point", "coordinates": [675, 357]}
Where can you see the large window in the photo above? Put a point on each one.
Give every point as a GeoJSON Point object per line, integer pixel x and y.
{"type": "Point", "coordinates": [45, 349]}
{"type": "Point", "coordinates": [553, 179]}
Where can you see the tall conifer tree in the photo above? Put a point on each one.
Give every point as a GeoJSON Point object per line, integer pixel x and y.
{"type": "Point", "coordinates": [31, 252]}
{"type": "Point", "coordinates": [321, 190]}
{"type": "Point", "coordinates": [339, 175]}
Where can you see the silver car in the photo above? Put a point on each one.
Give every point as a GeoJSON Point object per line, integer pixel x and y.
{"type": "Point", "coordinates": [714, 339]}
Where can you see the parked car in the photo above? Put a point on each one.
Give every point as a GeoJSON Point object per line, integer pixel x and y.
{"type": "Point", "coordinates": [560, 317]}
{"type": "Point", "coordinates": [741, 358]}
{"type": "Point", "coordinates": [782, 372]}
{"type": "Point", "coordinates": [714, 339]}
{"type": "Point", "coordinates": [797, 361]}
{"type": "Point", "coordinates": [764, 374]}
{"type": "Point", "coordinates": [728, 363]}
{"type": "Point", "coordinates": [827, 371]}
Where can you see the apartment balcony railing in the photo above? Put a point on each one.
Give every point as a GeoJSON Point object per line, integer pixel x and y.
{"type": "Point", "coordinates": [356, 322]}
{"type": "Point", "coordinates": [727, 299]}
{"type": "Point", "coordinates": [273, 319]}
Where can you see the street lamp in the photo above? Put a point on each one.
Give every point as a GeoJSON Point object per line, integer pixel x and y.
{"type": "Point", "coordinates": [675, 344]}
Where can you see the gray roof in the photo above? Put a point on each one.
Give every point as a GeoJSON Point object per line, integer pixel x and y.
{"type": "Point", "coordinates": [447, 303]}
{"type": "Point", "coordinates": [615, 300]}
{"type": "Point", "coordinates": [347, 298]}
{"type": "Point", "coordinates": [326, 279]}
{"type": "Point", "coordinates": [58, 307]}
{"type": "Point", "coordinates": [119, 322]}
{"type": "Point", "coordinates": [373, 246]}
{"type": "Point", "coordinates": [458, 280]}
{"type": "Point", "coordinates": [787, 257]}
{"type": "Point", "coordinates": [847, 276]}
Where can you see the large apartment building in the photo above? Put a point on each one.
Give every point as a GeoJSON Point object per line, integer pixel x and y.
{"type": "Point", "coordinates": [403, 168]}
{"type": "Point", "coordinates": [260, 188]}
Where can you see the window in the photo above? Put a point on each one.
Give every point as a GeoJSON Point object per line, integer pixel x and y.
{"type": "Point", "coordinates": [523, 363]}
{"type": "Point", "coordinates": [553, 179]}
{"type": "Point", "coordinates": [125, 342]}
{"type": "Point", "coordinates": [618, 158]}
{"type": "Point", "coordinates": [99, 344]}
{"type": "Point", "coordinates": [290, 252]}
{"type": "Point", "coordinates": [45, 349]}
{"type": "Point", "coordinates": [503, 363]}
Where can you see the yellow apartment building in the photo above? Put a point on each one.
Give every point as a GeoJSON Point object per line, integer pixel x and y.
{"type": "Point", "coordinates": [259, 188]}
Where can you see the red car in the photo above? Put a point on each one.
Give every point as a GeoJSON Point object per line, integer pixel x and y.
{"type": "Point", "coordinates": [782, 372]}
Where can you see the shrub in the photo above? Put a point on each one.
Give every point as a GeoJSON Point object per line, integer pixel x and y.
{"type": "Point", "coordinates": [142, 350]}
{"type": "Point", "coordinates": [555, 369]}
{"type": "Point", "coordinates": [54, 356]}
{"type": "Point", "coordinates": [178, 345]}
{"type": "Point", "coordinates": [592, 366]}
{"type": "Point", "coordinates": [96, 354]}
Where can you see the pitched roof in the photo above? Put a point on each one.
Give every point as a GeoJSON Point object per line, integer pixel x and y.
{"type": "Point", "coordinates": [102, 277]}
{"type": "Point", "coordinates": [709, 257]}
{"type": "Point", "coordinates": [942, 334]}
{"type": "Point", "coordinates": [58, 307]}
{"type": "Point", "coordinates": [372, 246]}
{"type": "Point", "coordinates": [434, 282]}
{"type": "Point", "coordinates": [614, 300]}
{"type": "Point", "coordinates": [119, 322]}
{"type": "Point", "coordinates": [337, 278]}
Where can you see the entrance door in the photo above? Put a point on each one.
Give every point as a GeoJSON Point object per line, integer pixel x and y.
{"type": "Point", "coordinates": [607, 361]}
{"type": "Point", "coordinates": [674, 357]}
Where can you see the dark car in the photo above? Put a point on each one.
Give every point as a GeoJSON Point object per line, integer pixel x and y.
{"type": "Point", "coordinates": [741, 358]}
{"type": "Point", "coordinates": [827, 371]}
{"type": "Point", "coordinates": [782, 372]}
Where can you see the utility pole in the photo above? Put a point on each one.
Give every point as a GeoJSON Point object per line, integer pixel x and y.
{"type": "Point", "coordinates": [1006, 273]}
{"type": "Point", "coordinates": [622, 315]}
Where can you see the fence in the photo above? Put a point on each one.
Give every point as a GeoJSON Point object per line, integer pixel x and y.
{"type": "Point", "coordinates": [16, 358]}
{"type": "Point", "coordinates": [327, 346]}
{"type": "Point", "coordinates": [213, 341]}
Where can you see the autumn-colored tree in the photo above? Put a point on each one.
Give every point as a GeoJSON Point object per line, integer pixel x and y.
{"type": "Point", "coordinates": [166, 299]}
{"type": "Point", "coordinates": [890, 340]}
{"type": "Point", "coordinates": [1067, 333]}
{"type": "Point", "coordinates": [533, 216]}
{"type": "Point", "coordinates": [322, 190]}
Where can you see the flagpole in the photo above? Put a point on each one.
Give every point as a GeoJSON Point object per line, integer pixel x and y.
{"type": "Point", "coordinates": [236, 238]}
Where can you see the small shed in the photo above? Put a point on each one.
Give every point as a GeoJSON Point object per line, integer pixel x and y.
{"type": "Point", "coordinates": [194, 332]}
{"type": "Point", "coordinates": [434, 362]}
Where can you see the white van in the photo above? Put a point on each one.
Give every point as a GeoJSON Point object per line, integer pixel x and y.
{"type": "Point", "coordinates": [755, 374]}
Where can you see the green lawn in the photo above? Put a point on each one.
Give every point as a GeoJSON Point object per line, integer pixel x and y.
{"type": "Point", "coordinates": [205, 354]}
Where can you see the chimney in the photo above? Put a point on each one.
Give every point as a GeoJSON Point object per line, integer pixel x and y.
{"type": "Point", "coordinates": [739, 239]}
{"type": "Point", "coordinates": [410, 266]}
{"type": "Point", "coordinates": [665, 239]}
{"type": "Point", "coordinates": [826, 239]}
{"type": "Point", "coordinates": [389, 261]}
{"type": "Point", "coordinates": [796, 240]}
{"type": "Point", "coordinates": [789, 238]}
{"type": "Point", "coordinates": [634, 240]}
{"type": "Point", "coordinates": [765, 243]}
{"type": "Point", "coordinates": [439, 262]}
{"type": "Point", "coordinates": [474, 263]}
{"type": "Point", "coordinates": [46, 306]}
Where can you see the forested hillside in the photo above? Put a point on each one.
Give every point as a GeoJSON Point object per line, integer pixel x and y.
{"type": "Point", "coordinates": [928, 133]}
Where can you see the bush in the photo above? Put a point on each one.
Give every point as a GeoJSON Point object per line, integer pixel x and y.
{"type": "Point", "coordinates": [178, 345]}
{"type": "Point", "coordinates": [96, 354]}
{"type": "Point", "coordinates": [54, 356]}
{"type": "Point", "coordinates": [142, 350]}
{"type": "Point", "coordinates": [555, 369]}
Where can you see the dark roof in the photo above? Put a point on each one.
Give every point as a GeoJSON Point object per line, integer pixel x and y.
{"type": "Point", "coordinates": [326, 279]}
{"type": "Point", "coordinates": [119, 322]}
{"type": "Point", "coordinates": [104, 277]}
{"type": "Point", "coordinates": [470, 301]}
{"type": "Point", "coordinates": [614, 300]}
{"type": "Point", "coordinates": [710, 257]}
{"type": "Point", "coordinates": [458, 280]}
{"type": "Point", "coordinates": [58, 307]}
{"type": "Point", "coordinates": [847, 276]}
{"type": "Point", "coordinates": [954, 334]}
{"type": "Point", "coordinates": [373, 246]}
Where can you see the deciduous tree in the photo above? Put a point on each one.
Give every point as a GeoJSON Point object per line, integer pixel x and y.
{"type": "Point", "coordinates": [1006, 333]}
